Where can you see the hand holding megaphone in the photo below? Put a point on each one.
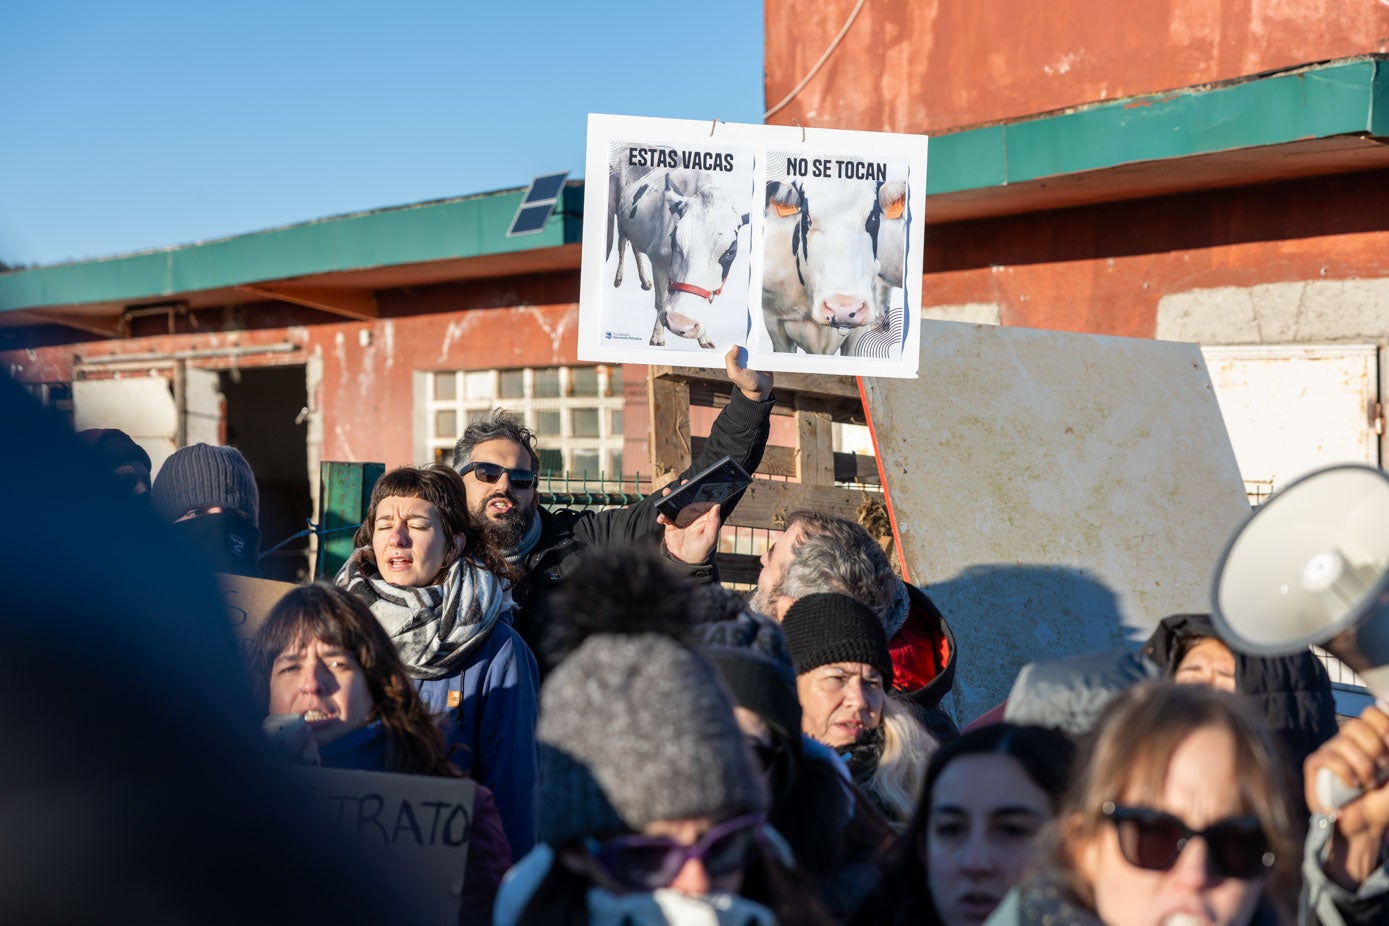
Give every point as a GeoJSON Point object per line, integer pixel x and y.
{"type": "Point", "coordinates": [1311, 568]}
{"type": "Point", "coordinates": [1349, 774]}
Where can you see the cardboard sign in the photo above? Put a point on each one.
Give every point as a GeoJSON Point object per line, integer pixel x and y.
{"type": "Point", "coordinates": [1054, 493]}
{"type": "Point", "coordinates": [413, 830]}
{"type": "Point", "coordinates": [802, 245]}
{"type": "Point", "coordinates": [248, 602]}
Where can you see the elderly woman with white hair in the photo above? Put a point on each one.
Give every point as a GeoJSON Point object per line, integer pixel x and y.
{"type": "Point", "coordinates": [843, 673]}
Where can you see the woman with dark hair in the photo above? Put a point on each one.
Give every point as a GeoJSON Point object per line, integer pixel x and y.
{"type": "Point", "coordinates": [986, 796]}
{"type": "Point", "coordinates": [1291, 693]}
{"type": "Point", "coordinates": [327, 672]}
{"type": "Point", "coordinates": [441, 591]}
{"type": "Point", "coordinates": [1177, 815]}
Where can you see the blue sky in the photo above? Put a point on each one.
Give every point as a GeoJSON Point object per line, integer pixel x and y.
{"type": "Point", "coordinates": [149, 123]}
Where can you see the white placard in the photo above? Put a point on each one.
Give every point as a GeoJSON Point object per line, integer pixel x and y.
{"type": "Point", "coordinates": [804, 246]}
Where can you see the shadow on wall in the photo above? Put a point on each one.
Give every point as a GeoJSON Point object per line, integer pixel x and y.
{"type": "Point", "coordinates": [1006, 615]}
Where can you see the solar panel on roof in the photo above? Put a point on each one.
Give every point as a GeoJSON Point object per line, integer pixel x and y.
{"type": "Point", "coordinates": [536, 206]}
{"type": "Point", "coordinates": [545, 187]}
{"type": "Point", "coordinates": [531, 218]}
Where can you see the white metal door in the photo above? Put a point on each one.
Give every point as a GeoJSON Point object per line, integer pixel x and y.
{"type": "Point", "coordinates": [1291, 409]}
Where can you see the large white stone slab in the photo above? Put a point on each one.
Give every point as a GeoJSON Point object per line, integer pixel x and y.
{"type": "Point", "coordinates": [1056, 493]}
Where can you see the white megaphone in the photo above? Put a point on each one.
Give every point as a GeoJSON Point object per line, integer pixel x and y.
{"type": "Point", "coordinates": [1311, 568]}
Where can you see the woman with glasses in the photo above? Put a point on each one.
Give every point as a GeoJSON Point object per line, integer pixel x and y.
{"type": "Point", "coordinates": [441, 592]}
{"type": "Point", "coordinates": [987, 795]}
{"type": "Point", "coordinates": [1176, 816]}
{"type": "Point", "coordinates": [651, 811]}
{"type": "Point", "coordinates": [338, 696]}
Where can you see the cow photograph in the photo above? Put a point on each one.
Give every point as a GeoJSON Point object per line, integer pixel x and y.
{"type": "Point", "coordinates": [801, 246]}
{"type": "Point", "coordinates": [676, 248]}
{"type": "Point", "coordinates": [833, 252]}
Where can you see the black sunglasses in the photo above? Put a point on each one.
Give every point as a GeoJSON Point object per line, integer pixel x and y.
{"type": "Point", "coordinates": [491, 474]}
{"type": "Point", "coordinates": [1153, 840]}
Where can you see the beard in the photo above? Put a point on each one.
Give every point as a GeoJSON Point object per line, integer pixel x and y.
{"type": "Point", "coordinates": [762, 600]}
{"type": "Point", "coordinates": [504, 530]}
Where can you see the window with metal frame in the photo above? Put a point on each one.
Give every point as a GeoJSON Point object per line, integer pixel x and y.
{"type": "Point", "coordinates": [575, 412]}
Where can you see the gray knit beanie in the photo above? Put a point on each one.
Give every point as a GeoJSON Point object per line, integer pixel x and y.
{"type": "Point", "coordinates": [205, 476]}
{"type": "Point", "coordinates": [749, 652]}
{"type": "Point", "coordinates": [635, 729]}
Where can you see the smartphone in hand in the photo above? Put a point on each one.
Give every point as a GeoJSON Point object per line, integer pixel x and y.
{"type": "Point", "coordinates": [713, 486]}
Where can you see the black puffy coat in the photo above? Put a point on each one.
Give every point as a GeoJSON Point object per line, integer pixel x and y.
{"type": "Point", "coordinates": [1292, 693]}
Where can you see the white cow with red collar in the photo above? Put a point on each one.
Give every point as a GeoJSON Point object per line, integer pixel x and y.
{"type": "Point", "coordinates": [686, 227]}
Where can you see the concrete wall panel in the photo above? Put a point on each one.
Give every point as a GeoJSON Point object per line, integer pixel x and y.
{"type": "Point", "coordinates": [1277, 313]}
{"type": "Point", "coordinates": [1056, 493]}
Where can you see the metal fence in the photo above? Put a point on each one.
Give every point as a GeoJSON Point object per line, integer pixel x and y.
{"type": "Point", "coordinates": [584, 492]}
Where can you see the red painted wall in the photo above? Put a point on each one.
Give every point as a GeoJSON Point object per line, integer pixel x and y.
{"type": "Point", "coordinates": [929, 65]}
{"type": "Point", "coordinates": [1104, 268]}
{"type": "Point", "coordinates": [367, 391]}
{"type": "Point", "coordinates": [366, 394]}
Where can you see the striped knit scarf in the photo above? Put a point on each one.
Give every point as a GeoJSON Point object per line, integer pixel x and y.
{"type": "Point", "coordinates": [435, 627]}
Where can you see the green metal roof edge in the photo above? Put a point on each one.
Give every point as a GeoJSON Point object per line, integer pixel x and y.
{"type": "Point", "coordinates": [1319, 101]}
{"type": "Point", "coordinates": [470, 226]}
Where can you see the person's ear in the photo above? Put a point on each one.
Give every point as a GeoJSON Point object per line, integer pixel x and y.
{"type": "Point", "coordinates": [460, 543]}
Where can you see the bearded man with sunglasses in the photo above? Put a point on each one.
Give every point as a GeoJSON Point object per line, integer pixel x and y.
{"type": "Point", "coordinates": [499, 463]}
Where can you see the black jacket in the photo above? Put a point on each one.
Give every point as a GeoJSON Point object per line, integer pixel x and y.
{"type": "Point", "coordinates": [1292, 693]}
{"type": "Point", "coordinates": [740, 431]}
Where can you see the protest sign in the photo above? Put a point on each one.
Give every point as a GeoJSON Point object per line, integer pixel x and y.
{"type": "Point", "coordinates": [248, 601]}
{"type": "Point", "coordinates": [413, 830]}
{"type": "Point", "coordinates": [804, 246]}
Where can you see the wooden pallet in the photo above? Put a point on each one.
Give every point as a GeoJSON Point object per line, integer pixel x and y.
{"type": "Point", "coordinates": [789, 478]}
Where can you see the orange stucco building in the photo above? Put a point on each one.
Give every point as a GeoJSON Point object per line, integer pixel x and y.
{"type": "Point", "coordinates": [1213, 172]}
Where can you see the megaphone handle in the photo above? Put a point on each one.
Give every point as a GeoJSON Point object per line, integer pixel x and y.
{"type": "Point", "coordinates": [1332, 792]}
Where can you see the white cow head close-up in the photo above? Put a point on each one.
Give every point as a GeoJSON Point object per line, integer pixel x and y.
{"type": "Point", "coordinates": [821, 259]}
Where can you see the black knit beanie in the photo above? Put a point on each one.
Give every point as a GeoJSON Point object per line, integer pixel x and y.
{"type": "Point", "coordinates": [205, 476]}
{"type": "Point", "coordinates": [825, 628]}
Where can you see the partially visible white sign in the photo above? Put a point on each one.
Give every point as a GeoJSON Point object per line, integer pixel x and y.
{"type": "Point", "coordinates": [1055, 493]}
{"type": "Point", "coordinates": [804, 246]}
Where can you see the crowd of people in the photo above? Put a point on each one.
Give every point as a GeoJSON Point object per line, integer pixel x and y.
{"type": "Point", "coordinates": [650, 747]}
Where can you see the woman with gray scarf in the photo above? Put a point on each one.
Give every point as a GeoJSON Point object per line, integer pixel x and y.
{"type": "Point", "coordinates": [442, 593]}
